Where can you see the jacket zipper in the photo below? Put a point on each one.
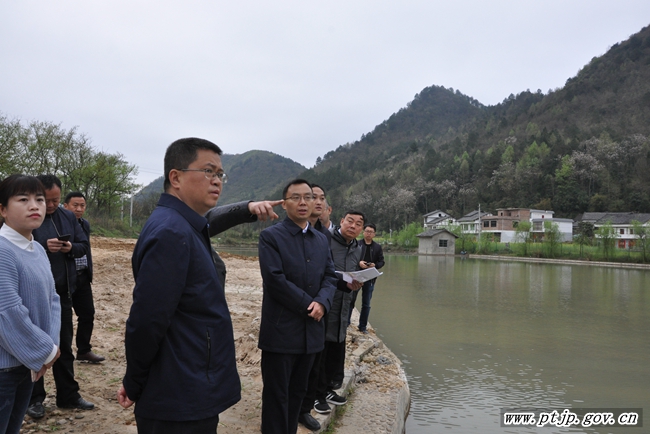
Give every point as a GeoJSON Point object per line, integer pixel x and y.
{"type": "Point", "coordinates": [207, 369]}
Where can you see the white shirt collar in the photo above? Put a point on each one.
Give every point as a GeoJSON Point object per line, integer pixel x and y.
{"type": "Point", "coordinates": [16, 238]}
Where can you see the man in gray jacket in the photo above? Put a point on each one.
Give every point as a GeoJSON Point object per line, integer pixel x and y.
{"type": "Point", "coordinates": [346, 253]}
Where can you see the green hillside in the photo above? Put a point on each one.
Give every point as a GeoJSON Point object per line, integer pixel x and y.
{"type": "Point", "coordinates": [255, 175]}
{"type": "Point", "coordinates": [583, 147]}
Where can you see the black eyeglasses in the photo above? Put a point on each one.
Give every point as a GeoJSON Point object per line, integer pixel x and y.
{"type": "Point", "coordinates": [298, 198]}
{"type": "Point", "coordinates": [209, 174]}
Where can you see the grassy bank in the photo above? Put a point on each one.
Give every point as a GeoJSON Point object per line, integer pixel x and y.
{"type": "Point", "coordinates": [556, 251]}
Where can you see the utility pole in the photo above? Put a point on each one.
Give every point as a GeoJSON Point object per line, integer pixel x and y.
{"type": "Point", "coordinates": [478, 241]}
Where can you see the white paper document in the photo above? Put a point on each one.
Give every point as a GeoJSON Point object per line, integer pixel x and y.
{"type": "Point", "coordinates": [361, 275]}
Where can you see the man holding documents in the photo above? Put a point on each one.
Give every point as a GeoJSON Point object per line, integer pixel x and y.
{"type": "Point", "coordinates": [372, 256]}
{"type": "Point", "coordinates": [346, 253]}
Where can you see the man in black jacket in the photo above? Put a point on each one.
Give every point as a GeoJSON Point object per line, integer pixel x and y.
{"type": "Point", "coordinates": [311, 399]}
{"type": "Point", "coordinates": [371, 256]}
{"type": "Point", "coordinates": [82, 298]}
{"type": "Point", "coordinates": [299, 284]}
{"type": "Point", "coordinates": [63, 240]}
{"type": "Point", "coordinates": [181, 369]}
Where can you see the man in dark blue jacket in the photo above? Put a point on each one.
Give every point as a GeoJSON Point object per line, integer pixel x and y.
{"type": "Point", "coordinates": [299, 284]}
{"type": "Point", "coordinates": [180, 351]}
{"type": "Point", "coordinates": [63, 240]}
{"type": "Point", "coordinates": [305, 418]}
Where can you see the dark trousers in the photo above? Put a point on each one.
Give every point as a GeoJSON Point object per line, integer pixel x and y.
{"type": "Point", "coordinates": [313, 384]}
{"type": "Point", "coordinates": [67, 388]}
{"type": "Point", "coordinates": [366, 295]}
{"type": "Point", "coordinates": [285, 379]}
{"type": "Point", "coordinates": [334, 363]}
{"type": "Point", "coordinates": [82, 302]}
{"type": "Point", "coordinates": [15, 390]}
{"type": "Point", "coordinates": [155, 426]}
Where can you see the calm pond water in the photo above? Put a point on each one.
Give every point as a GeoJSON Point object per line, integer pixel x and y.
{"type": "Point", "coordinates": [477, 336]}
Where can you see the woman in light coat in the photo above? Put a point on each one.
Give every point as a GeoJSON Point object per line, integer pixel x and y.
{"type": "Point", "coordinates": [30, 312]}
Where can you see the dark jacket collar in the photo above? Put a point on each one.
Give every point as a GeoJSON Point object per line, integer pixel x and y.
{"type": "Point", "coordinates": [294, 228]}
{"type": "Point", "coordinates": [336, 235]}
{"type": "Point", "coordinates": [196, 220]}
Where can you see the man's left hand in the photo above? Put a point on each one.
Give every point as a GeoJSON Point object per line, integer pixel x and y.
{"type": "Point", "coordinates": [316, 310]}
{"type": "Point", "coordinates": [123, 399]}
{"type": "Point", "coordinates": [264, 209]}
{"type": "Point", "coordinates": [355, 285]}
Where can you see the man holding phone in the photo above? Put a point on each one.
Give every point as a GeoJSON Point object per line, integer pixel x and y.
{"type": "Point", "coordinates": [63, 240]}
{"type": "Point", "coordinates": [372, 256]}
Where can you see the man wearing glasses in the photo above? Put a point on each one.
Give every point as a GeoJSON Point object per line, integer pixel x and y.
{"type": "Point", "coordinates": [299, 284]}
{"type": "Point", "coordinates": [372, 255]}
{"type": "Point", "coordinates": [180, 351]}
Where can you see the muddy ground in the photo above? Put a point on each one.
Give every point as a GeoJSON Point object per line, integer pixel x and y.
{"type": "Point", "coordinates": [112, 288]}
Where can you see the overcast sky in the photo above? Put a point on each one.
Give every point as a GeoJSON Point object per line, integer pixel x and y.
{"type": "Point", "coordinates": [298, 78]}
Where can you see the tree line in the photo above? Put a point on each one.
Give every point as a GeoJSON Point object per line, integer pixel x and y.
{"type": "Point", "coordinates": [40, 147]}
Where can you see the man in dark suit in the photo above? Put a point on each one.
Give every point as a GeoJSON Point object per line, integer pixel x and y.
{"type": "Point", "coordinates": [63, 240]}
{"type": "Point", "coordinates": [180, 351]}
{"type": "Point", "coordinates": [82, 298]}
{"type": "Point", "coordinates": [299, 283]}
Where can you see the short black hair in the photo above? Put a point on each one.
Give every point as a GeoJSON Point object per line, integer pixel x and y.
{"type": "Point", "coordinates": [19, 184]}
{"type": "Point", "coordinates": [294, 182]}
{"type": "Point", "coordinates": [183, 152]}
{"type": "Point", "coordinates": [318, 186]}
{"type": "Point", "coordinates": [72, 194]}
{"type": "Point", "coordinates": [370, 225]}
{"type": "Point", "coordinates": [49, 181]}
{"type": "Point", "coordinates": [353, 212]}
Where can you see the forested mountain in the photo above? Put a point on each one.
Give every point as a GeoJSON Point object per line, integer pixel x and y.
{"type": "Point", "coordinates": [583, 147]}
{"type": "Point", "coordinates": [253, 175]}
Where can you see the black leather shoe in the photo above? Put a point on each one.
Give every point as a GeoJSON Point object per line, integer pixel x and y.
{"type": "Point", "coordinates": [309, 422]}
{"type": "Point", "coordinates": [36, 410]}
{"type": "Point", "coordinates": [90, 357]}
{"type": "Point", "coordinates": [80, 403]}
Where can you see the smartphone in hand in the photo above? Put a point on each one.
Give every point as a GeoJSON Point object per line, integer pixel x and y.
{"type": "Point", "coordinates": [65, 237]}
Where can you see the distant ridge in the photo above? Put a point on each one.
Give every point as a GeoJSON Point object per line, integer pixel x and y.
{"type": "Point", "coordinates": [583, 147]}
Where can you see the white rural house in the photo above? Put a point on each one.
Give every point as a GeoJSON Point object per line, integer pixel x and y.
{"type": "Point", "coordinates": [620, 221]}
{"type": "Point", "coordinates": [504, 224]}
{"type": "Point", "coordinates": [470, 223]}
{"type": "Point", "coordinates": [438, 218]}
